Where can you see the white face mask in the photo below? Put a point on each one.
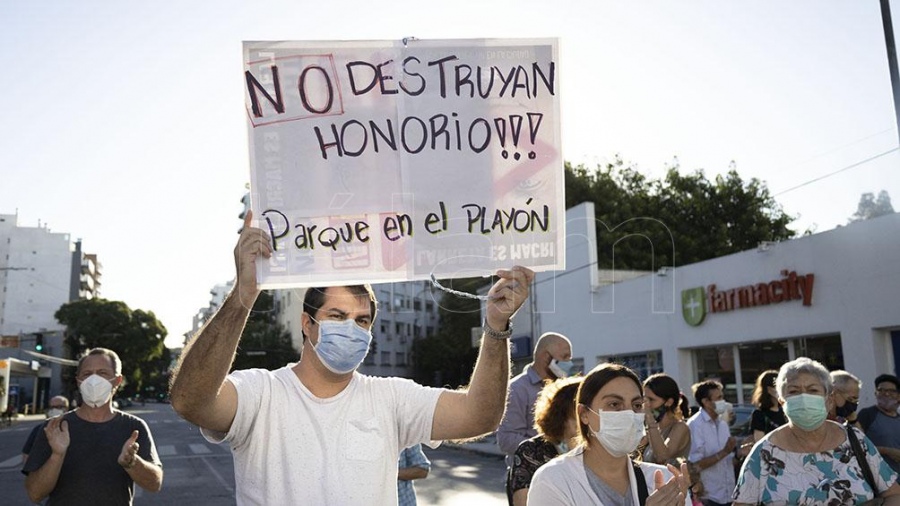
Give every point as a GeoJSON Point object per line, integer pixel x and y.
{"type": "Point", "coordinates": [95, 390]}
{"type": "Point", "coordinates": [722, 406]}
{"type": "Point", "coordinates": [55, 412]}
{"type": "Point", "coordinates": [620, 431]}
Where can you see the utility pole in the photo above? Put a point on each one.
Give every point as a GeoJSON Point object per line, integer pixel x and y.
{"type": "Point", "coordinates": [892, 57]}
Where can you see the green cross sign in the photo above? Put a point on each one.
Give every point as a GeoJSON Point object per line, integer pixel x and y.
{"type": "Point", "coordinates": [693, 305]}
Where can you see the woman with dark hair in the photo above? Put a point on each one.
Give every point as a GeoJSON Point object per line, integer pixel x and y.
{"type": "Point", "coordinates": [768, 414]}
{"type": "Point", "coordinates": [668, 439]}
{"type": "Point", "coordinates": [600, 471]}
{"type": "Point", "coordinates": [685, 406]}
{"type": "Point", "coordinates": [557, 427]}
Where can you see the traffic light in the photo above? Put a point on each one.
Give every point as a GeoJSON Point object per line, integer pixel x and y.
{"type": "Point", "coordinates": [39, 342]}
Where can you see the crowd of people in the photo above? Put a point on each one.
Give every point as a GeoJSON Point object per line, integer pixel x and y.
{"type": "Point", "coordinates": [319, 432]}
{"type": "Point", "coordinates": [641, 443]}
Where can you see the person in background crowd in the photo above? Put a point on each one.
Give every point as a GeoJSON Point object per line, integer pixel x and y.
{"type": "Point", "coordinates": [668, 439]}
{"type": "Point", "coordinates": [552, 360]}
{"type": "Point", "coordinates": [811, 460]}
{"type": "Point", "coordinates": [684, 406]}
{"type": "Point", "coordinates": [712, 444]}
{"type": "Point", "coordinates": [846, 397]}
{"type": "Point", "coordinates": [557, 428]}
{"type": "Point", "coordinates": [413, 465]}
{"type": "Point", "coordinates": [94, 454]}
{"type": "Point", "coordinates": [881, 422]}
{"type": "Point", "coordinates": [58, 405]}
{"type": "Point", "coordinates": [600, 471]}
{"type": "Point", "coordinates": [768, 414]}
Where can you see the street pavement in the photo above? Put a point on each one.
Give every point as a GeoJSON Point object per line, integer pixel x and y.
{"type": "Point", "coordinates": [198, 472]}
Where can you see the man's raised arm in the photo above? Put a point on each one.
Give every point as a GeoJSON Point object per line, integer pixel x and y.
{"type": "Point", "coordinates": [199, 392]}
{"type": "Point", "coordinates": [478, 409]}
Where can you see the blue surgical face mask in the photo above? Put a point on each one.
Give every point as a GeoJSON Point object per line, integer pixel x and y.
{"type": "Point", "coordinates": [806, 411]}
{"type": "Point", "coordinates": [342, 345]}
{"type": "Point", "coordinates": [561, 369]}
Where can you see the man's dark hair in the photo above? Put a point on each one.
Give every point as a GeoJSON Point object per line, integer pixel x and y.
{"type": "Point", "coordinates": [887, 377]}
{"type": "Point", "coordinates": [113, 357]}
{"type": "Point", "coordinates": [702, 390]}
{"type": "Point", "coordinates": [315, 297]}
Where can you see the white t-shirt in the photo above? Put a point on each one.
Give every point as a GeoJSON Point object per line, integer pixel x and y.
{"type": "Point", "coordinates": [563, 482]}
{"type": "Point", "coordinates": [291, 447]}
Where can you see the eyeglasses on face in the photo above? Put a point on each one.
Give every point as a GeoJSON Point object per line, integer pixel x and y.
{"type": "Point", "coordinates": [886, 391]}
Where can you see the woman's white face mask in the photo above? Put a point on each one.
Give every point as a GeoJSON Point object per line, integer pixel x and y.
{"type": "Point", "coordinates": [620, 431]}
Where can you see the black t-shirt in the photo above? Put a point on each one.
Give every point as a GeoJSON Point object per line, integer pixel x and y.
{"type": "Point", "coordinates": [91, 474]}
{"type": "Point", "coordinates": [26, 448]}
{"type": "Point", "coordinates": [767, 420]}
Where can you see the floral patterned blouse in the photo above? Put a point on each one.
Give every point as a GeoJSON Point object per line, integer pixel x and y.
{"type": "Point", "coordinates": [530, 455]}
{"type": "Point", "coordinates": [771, 475]}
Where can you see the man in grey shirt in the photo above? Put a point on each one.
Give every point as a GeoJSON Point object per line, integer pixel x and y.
{"type": "Point", "coordinates": [552, 360]}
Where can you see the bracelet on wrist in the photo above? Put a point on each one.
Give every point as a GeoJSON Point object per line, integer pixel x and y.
{"type": "Point", "coordinates": [497, 334]}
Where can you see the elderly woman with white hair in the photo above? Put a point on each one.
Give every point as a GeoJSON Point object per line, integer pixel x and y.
{"type": "Point", "coordinates": [811, 460]}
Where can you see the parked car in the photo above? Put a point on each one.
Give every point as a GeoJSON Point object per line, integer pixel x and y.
{"type": "Point", "coordinates": [122, 403]}
{"type": "Point", "coordinates": [740, 421]}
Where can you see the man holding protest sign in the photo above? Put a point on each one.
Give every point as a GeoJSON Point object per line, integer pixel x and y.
{"type": "Point", "coordinates": [317, 429]}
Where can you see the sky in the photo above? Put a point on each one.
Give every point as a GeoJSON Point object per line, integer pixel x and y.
{"type": "Point", "coordinates": [123, 122]}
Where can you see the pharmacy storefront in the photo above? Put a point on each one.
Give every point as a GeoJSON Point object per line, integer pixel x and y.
{"type": "Point", "coordinates": [833, 297]}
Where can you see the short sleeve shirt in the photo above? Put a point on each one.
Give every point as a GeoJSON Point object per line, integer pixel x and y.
{"type": "Point", "coordinates": [531, 454]}
{"type": "Point", "coordinates": [772, 475]}
{"type": "Point", "coordinates": [91, 474]}
{"type": "Point", "coordinates": [288, 443]}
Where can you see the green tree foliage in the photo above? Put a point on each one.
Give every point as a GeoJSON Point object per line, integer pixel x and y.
{"type": "Point", "coordinates": [264, 343]}
{"type": "Point", "coordinates": [447, 358]}
{"type": "Point", "coordinates": [156, 372]}
{"type": "Point", "coordinates": [645, 223]}
{"type": "Point", "coordinates": [870, 207]}
{"type": "Point", "coordinates": [136, 336]}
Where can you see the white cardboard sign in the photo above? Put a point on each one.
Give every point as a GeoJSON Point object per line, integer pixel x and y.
{"type": "Point", "coordinates": [376, 161]}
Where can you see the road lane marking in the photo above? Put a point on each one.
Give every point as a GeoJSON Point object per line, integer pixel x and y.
{"type": "Point", "coordinates": [225, 484]}
{"type": "Point", "coordinates": [199, 449]}
{"type": "Point", "coordinates": [11, 462]}
{"type": "Point", "coordinates": [166, 450]}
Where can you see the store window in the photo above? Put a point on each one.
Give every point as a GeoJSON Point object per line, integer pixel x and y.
{"type": "Point", "coordinates": [720, 363]}
{"type": "Point", "coordinates": [824, 349]}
